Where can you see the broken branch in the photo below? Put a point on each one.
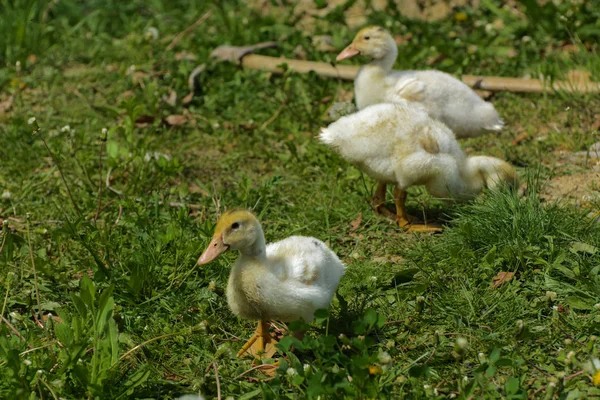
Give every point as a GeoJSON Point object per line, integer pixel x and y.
{"type": "Point", "coordinates": [348, 72]}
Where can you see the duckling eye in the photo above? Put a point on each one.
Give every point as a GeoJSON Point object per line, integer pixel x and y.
{"type": "Point", "coordinates": [235, 225]}
{"type": "Point", "coordinates": [367, 37]}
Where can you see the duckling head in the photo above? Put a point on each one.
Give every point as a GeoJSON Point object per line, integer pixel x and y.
{"type": "Point", "coordinates": [372, 41]}
{"type": "Point", "coordinates": [493, 172]}
{"type": "Point", "coordinates": [235, 230]}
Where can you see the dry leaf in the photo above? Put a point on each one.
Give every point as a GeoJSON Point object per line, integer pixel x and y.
{"type": "Point", "coordinates": [356, 223]}
{"type": "Point", "coordinates": [6, 104]}
{"type": "Point", "coordinates": [126, 94]}
{"type": "Point", "coordinates": [144, 120]}
{"type": "Point", "coordinates": [197, 189]}
{"type": "Point", "coordinates": [55, 318]}
{"type": "Point", "coordinates": [32, 59]}
{"type": "Point", "coordinates": [184, 55]}
{"type": "Point", "coordinates": [388, 259]}
{"type": "Point", "coordinates": [188, 98]}
{"type": "Point", "coordinates": [502, 278]}
{"type": "Point", "coordinates": [171, 99]}
{"type": "Point", "coordinates": [176, 120]}
{"type": "Point", "coordinates": [522, 136]}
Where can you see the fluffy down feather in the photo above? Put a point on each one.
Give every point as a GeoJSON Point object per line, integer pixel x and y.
{"type": "Point", "coordinates": [443, 96]}
{"type": "Point", "coordinates": [400, 143]}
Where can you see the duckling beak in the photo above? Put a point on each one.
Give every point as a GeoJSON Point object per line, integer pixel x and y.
{"type": "Point", "coordinates": [348, 52]}
{"type": "Point", "coordinates": [215, 248]}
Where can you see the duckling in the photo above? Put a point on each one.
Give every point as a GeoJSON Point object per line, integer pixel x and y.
{"type": "Point", "coordinates": [443, 96]}
{"type": "Point", "coordinates": [400, 143]}
{"type": "Point", "coordinates": [287, 280]}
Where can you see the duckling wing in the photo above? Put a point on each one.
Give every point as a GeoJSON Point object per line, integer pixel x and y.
{"type": "Point", "coordinates": [404, 85]}
{"type": "Point", "coordinates": [305, 275]}
{"type": "Point", "coordinates": [444, 98]}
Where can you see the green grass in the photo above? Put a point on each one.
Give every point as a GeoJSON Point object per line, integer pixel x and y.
{"type": "Point", "coordinates": [414, 316]}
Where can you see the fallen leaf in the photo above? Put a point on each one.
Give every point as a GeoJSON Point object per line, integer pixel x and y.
{"type": "Point", "coordinates": [502, 278]}
{"type": "Point", "coordinates": [184, 55]}
{"type": "Point", "coordinates": [144, 120]}
{"type": "Point", "coordinates": [356, 223]}
{"type": "Point", "coordinates": [32, 59]}
{"type": "Point", "coordinates": [55, 318]}
{"type": "Point", "coordinates": [176, 120]}
{"type": "Point", "coordinates": [197, 189]}
{"type": "Point", "coordinates": [387, 259]}
{"type": "Point", "coordinates": [171, 99]}
{"type": "Point", "coordinates": [6, 104]}
{"type": "Point", "coordinates": [126, 94]}
{"type": "Point", "coordinates": [520, 137]}
{"type": "Point", "coordinates": [188, 98]}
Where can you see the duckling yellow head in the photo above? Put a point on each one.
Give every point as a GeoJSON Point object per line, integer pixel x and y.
{"type": "Point", "coordinates": [236, 230]}
{"type": "Point", "coordinates": [372, 41]}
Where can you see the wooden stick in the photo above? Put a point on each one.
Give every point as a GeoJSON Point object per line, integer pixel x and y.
{"type": "Point", "coordinates": [348, 72]}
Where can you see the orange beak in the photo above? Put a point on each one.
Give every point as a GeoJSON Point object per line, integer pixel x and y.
{"type": "Point", "coordinates": [348, 52]}
{"type": "Point", "coordinates": [215, 248]}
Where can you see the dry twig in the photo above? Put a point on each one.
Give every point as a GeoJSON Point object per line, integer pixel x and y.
{"type": "Point", "coordinates": [348, 72]}
{"type": "Point", "coordinates": [188, 30]}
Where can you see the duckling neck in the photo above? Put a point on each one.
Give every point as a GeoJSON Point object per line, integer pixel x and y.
{"type": "Point", "coordinates": [473, 180]}
{"type": "Point", "coordinates": [386, 63]}
{"type": "Point", "coordinates": [369, 85]}
{"type": "Point", "coordinates": [257, 251]}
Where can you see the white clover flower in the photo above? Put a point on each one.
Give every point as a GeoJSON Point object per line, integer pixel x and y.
{"type": "Point", "coordinates": [426, 387]}
{"type": "Point", "coordinates": [462, 343]}
{"type": "Point", "coordinates": [291, 371]}
{"type": "Point", "coordinates": [306, 367]}
{"type": "Point", "coordinates": [551, 295]}
{"type": "Point", "coordinates": [6, 195]}
{"type": "Point", "coordinates": [104, 131]}
{"type": "Point", "coordinates": [18, 66]}
{"type": "Point", "coordinates": [27, 362]}
{"type": "Point", "coordinates": [66, 129]}
{"type": "Point", "coordinates": [465, 379]}
{"type": "Point", "coordinates": [597, 306]}
{"type": "Point", "coordinates": [31, 120]}
{"type": "Point", "coordinates": [384, 357]}
{"type": "Point", "coordinates": [151, 33]}
{"type": "Point", "coordinates": [131, 69]}
{"type": "Point", "coordinates": [40, 372]}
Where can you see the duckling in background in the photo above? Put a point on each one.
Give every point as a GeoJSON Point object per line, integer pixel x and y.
{"type": "Point", "coordinates": [444, 97]}
{"type": "Point", "coordinates": [286, 280]}
{"type": "Point", "coordinates": [401, 144]}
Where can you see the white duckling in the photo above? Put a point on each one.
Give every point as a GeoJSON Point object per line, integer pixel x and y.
{"type": "Point", "coordinates": [444, 97]}
{"type": "Point", "coordinates": [401, 144]}
{"type": "Point", "coordinates": [286, 280]}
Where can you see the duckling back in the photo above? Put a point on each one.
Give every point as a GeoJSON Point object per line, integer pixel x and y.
{"type": "Point", "coordinates": [447, 99]}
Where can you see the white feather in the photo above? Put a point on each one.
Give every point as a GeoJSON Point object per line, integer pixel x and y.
{"type": "Point", "coordinates": [400, 143]}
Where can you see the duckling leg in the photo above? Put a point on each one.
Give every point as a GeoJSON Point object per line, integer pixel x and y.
{"type": "Point", "coordinates": [261, 344]}
{"type": "Point", "coordinates": [403, 220]}
{"type": "Point", "coordinates": [379, 202]}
